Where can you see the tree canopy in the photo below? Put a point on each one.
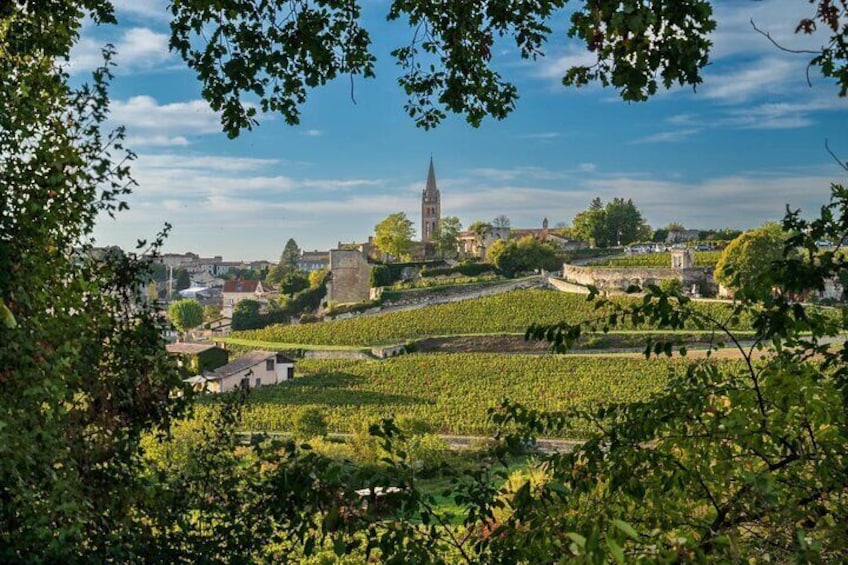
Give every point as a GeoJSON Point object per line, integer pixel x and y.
{"type": "Point", "coordinates": [287, 265]}
{"type": "Point", "coordinates": [446, 236]}
{"type": "Point", "coordinates": [745, 265]}
{"type": "Point", "coordinates": [618, 222]}
{"type": "Point", "coordinates": [185, 314]}
{"type": "Point", "coordinates": [277, 51]}
{"type": "Point", "coordinates": [394, 235]}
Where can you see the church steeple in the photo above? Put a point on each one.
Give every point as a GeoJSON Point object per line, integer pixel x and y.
{"type": "Point", "coordinates": [431, 189]}
{"type": "Point", "coordinates": [431, 207]}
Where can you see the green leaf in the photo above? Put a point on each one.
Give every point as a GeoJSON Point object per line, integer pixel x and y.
{"type": "Point", "coordinates": [615, 550]}
{"type": "Point", "coordinates": [626, 529]}
{"type": "Point", "coordinates": [8, 318]}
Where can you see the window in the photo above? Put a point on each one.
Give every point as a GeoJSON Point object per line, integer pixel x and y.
{"type": "Point", "coordinates": [258, 382]}
{"type": "Point", "coordinates": [245, 382]}
{"type": "Point", "coordinates": [269, 365]}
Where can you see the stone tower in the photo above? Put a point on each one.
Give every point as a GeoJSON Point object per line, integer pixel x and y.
{"type": "Point", "coordinates": [431, 206]}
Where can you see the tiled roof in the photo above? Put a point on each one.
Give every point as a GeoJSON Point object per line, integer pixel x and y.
{"type": "Point", "coordinates": [189, 348]}
{"type": "Point", "coordinates": [246, 361]}
{"type": "Point", "coordinates": [240, 286]}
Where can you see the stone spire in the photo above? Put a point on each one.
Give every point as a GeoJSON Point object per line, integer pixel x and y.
{"type": "Point", "coordinates": [431, 190]}
{"type": "Point", "coordinates": [431, 206]}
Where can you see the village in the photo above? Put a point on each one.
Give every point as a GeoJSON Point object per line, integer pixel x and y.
{"type": "Point", "coordinates": [373, 278]}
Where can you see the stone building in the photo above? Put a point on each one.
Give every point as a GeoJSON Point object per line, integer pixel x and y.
{"type": "Point", "coordinates": [350, 276]}
{"type": "Point", "coordinates": [431, 207]}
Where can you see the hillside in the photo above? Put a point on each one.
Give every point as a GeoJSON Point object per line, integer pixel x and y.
{"type": "Point", "coordinates": [507, 313]}
{"type": "Point", "coordinates": [453, 392]}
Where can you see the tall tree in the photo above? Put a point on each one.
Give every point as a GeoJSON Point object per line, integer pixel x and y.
{"type": "Point", "coordinates": [501, 221]}
{"type": "Point", "coordinates": [183, 279]}
{"type": "Point", "coordinates": [84, 369]}
{"type": "Point", "coordinates": [185, 314]}
{"type": "Point", "coordinates": [623, 223]}
{"type": "Point", "coordinates": [481, 230]}
{"type": "Point", "coordinates": [286, 265]}
{"type": "Point", "coordinates": [394, 235]}
{"type": "Point", "coordinates": [446, 237]}
{"type": "Point", "coordinates": [246, 315]}
{"type": "Point", "coordinates": [618, 222]}
{"type": "Point", "coordinates": [289, 257]}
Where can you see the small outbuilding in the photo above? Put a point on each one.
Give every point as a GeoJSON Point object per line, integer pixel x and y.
{"type": "Point", "coordinates": [253, 369]}
{"type": "Point", "coordinates": [197, 358]}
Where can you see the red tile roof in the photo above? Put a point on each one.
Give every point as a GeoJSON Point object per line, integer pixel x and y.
{"type": "Point", "coordinates": [240, 286]}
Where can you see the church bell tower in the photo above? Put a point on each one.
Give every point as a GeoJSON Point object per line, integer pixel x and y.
{"type": "Point", "coordinates": [431, 206]}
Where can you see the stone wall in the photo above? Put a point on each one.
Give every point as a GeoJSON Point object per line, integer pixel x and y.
{"type": "Point", "coordinates": [611, 278]}
{"type": "Point", "coordinates": [350, 276]}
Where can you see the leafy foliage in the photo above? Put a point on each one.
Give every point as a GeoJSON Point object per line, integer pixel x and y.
{"type": "Point", "coordinates": [526, 254]}
{"type": "Point", "coordinates": [82, 360]}
{"type": "Point", "coordinates": [246, 315]}
{"type": "Point", "coordinates": [617, 223]}
{"type": "Point", "coordinates": [745, 264]}
{"type": "Point", "coordinates": [185, 314]}
{"type": "Point", "coordinates": [446, 236]}
{"type": "Point", "coordinates": [394, 235]}
{"type": "Point", "coordinates": [736, 462]}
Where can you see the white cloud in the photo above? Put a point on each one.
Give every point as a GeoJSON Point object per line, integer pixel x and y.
{"type": "Point", "coordinates": [766, 76]}
{"type": "Point", "coordinates": [150, 123]}
{"type": "Point", "coordinates": [587, 167]}
{"type": "Point", "coordinates": [147, 9]}
{"type": "Point", "coordinates": [313, 133]}
{"type": "Point", "coordinates": [138, 49]}
{"type": "Point", "coordinates": [555, 66]}
{"type": "Point", "coordinates": [668, 136]}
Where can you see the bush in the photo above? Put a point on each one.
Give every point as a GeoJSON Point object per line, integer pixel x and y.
{"type": "Point", "coordinates": [381, 275]}
{"type": "Point", "coordinates": [428, 453]}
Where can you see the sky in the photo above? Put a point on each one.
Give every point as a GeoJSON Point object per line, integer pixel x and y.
{"type": "Point", "coordinates": [734, 153]}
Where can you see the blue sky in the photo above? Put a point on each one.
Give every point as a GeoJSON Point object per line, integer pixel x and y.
{"type": "Point", "coordinates": [732, 154]}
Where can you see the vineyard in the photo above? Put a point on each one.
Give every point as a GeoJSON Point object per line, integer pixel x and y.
{"type": "Point", "coordinates": [452, 392]}
{"type": "Point", "coordinates": [510, 312]}
{"type": "Point", "coordinates": [658, 260]}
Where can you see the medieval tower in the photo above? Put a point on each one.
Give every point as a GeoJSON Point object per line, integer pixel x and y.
{"type": "Point", "coordinates": [431, 206]}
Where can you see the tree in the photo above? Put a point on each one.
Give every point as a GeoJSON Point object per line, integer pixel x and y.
{"type": "Point", "coordinates": [183, 279]}
{"type": "Point", "coordinates": [501, 222]}
{"type": "Point", "coordinates": [394, 235]}
{"type": "Point", "coordinates": [286, 265]}
{"type": "Point", "coordinates": [246, 315]}
{"type": "Point", "coordinates": [637, 47]}
{"type": "Point", "coordinates": [526, 254]}
{"type": "Point", "coordinates": [185, 314]}
{"type": "Point", "coordinates": [84, 368]}
{"type": "Point", "coordinates": [294, 282]}
{"type": "Point", "coordinates": [211, 312]}
{"type": "Point", "coordinates": [317, 278]}
{"type": "Point", "coordinates": [618, 222]}
{"type": "Point", "coordinates": [745, 265]}
{"type": "Point", "coordinates": [447, 236]}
